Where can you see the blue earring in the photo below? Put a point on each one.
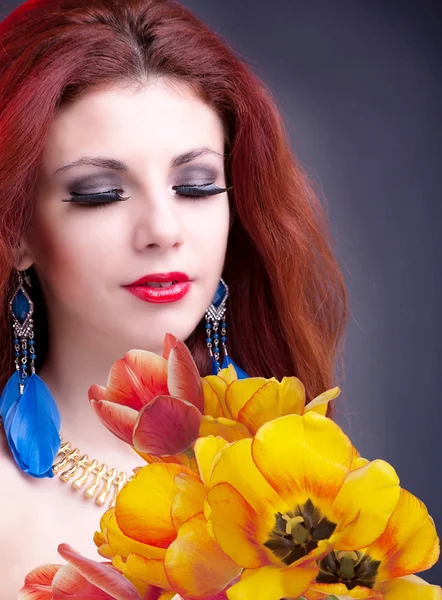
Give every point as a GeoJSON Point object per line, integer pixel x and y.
{"type": "Point", "coordinates": [29, 413]}
{"type": "Point", "coordinates": [216, 332]}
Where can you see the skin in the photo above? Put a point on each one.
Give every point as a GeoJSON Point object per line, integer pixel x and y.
{"type": "Point", "coordinates": [83, 255]}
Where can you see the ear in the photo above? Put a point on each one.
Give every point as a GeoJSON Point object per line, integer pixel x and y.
{"type": "Point", "coordinates": [23, 258]}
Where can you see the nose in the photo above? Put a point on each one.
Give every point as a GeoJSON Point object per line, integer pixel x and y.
{"type": "Point", "coordinates": [158, 225]}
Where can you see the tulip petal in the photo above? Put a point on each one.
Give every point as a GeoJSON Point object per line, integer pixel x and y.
{"type": "Point", "coordinates": [38, 583]}
{"type": "Point", "coordinates": [195, 565]}
{"type": "Point", "coordinates": [142, 507]}
{"type": "Point", "coordinates": [67, 579]}
{"type": "Point", "coordinates": [239, 392]}
{"type": "Point", "coordinates": [183, 377]}
{"type": "Point", "coordinates": [118, 543]}
{"type": "Point", "coordinates": [100, 537]}
{"type": "Point", "coordinates": [364, 504]}
{"type": "Point", "coordinates": [137, 378]}
{"type": "Point", "coordinates": [409, 543]}
{"type": "Point", "coordinates": [189, 500]}
{"type": "Point", "coordinates": [148, 570]}
{"type": "Point", "coordinates": [261, 407]}
{"type": "Point", "coordinates": [228, 429]}
{"type": "Point", "coordinates": [214, 391]}
{"type": "Point", "coordinates": [144, 589]}
{"type": "Point", "coordinates": [169, 342]}
{"type": "Point", "coordinates": [228, 374]}
{"type": "Point", "coordinates": [35, 592]}
{"type": "Point", "coordinates": [103, 576]}
{"type": "Point", "coordinates": [97, 392]}
{"type": "Point", "coordinates": [272, 583]}
{"type": "Point", "coordinates": [212, 404]}
{"type": "Point", "coordinates": [358, 463]}
{"type": "Point", "coordinates": [207, 449]}
{"type": "Point", "coordinates": [322, 591]}
{"type": "Point", "coordinates": [42, 575]}
{"type": "Point", "coordinates": [180, 459]}
{"type": "Point", "coordinates": [292, 396]}
{"type": "Point", "coordinates": [238, 528]}
{"type": "Point", "coordinates": [409, 588]}
{"type": "Point", "coordinates": [320, 403]}
{"type": "Point", "coordinates": [166, 426]}
{"type": "Point", "coordinates": [236, 466]}
{"type": "Point", "coordinates": [303, 457]}
{"type": "Point", "coordinates": [271, 401]}
{"type": "Point", "coordinates": [119, 419]}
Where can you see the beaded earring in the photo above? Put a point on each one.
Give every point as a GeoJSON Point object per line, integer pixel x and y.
{"type": "Point", "coordinates": [216, 331]}
{"type": "Point", "coordinates": [30, 416]}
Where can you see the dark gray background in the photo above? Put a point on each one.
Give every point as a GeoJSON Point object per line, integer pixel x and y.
{"type": "Point", "coordinates": [359, 83]}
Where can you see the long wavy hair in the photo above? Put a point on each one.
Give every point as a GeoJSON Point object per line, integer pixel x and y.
{"type": "Point", "coordinates": [288, 304]}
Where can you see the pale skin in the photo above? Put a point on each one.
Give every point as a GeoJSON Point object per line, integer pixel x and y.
{"type": "Point", "coordinates": [83, 255]}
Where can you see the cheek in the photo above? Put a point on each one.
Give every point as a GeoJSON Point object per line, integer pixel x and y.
{"type": "Point", "coordinates": [209, 231]}
{"type": "Point", "coordinates": [69, 253]}
{"type": "Point", "coordinates": [208, 235]}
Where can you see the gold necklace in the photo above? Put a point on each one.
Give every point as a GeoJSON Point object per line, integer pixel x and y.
{"type": "Point", "coordinates": [71, 460]}
{"type": "Point", "coordinates": [68, 461]}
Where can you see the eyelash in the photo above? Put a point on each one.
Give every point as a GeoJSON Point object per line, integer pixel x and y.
{"type": "Point", "coordinates": [202, 191]}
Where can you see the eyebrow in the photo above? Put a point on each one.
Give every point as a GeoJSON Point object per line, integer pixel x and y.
{"type": "Point", "coordinates": [117, 165]}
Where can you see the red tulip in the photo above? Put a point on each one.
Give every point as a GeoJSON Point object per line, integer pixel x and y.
{"type": "Point", "coordinates": [154, 403]}
{"type": "Point", "coordinates": [81, 578]}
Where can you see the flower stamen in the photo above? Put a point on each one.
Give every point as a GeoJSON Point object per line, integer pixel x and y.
{"type": "Point", "coordinates": [350, 568]}
{"type": "Point", "coordinates": [296, 533]}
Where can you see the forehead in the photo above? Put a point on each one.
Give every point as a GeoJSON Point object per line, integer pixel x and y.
{"type": "Point", "coordinates": [155, 121]}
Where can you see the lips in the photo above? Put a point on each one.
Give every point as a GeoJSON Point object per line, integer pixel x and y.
{"type": "Point", "coordinates": [173, 276]}
{"type": "Point", "coordinates": [161, 287]}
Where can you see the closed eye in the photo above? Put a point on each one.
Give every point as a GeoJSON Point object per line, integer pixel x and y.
{"type": "Point", "coordinates": [99, 199]}
{"type": "Point", "coordinates": [104, 198]}
{"type": "Point", "coordinates": [198, 191]}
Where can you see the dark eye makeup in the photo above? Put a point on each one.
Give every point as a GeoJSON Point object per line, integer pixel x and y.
{"type": "Point", "coordinates": [104, 198]}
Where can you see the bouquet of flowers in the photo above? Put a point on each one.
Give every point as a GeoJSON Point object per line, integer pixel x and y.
{"type": "Point", "coordinates": [248, 493]}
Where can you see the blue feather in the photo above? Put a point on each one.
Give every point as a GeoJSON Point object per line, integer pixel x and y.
{"type": "Point", "coordinates": [9, 419]}
{"type": "Point", "coordinates": [226, 362]}
{"type": "Point", "coordinates": [32, 427]}
{"type": "Point", "coordinates": [10, 394]}
{"type": "Point", "coordinates": [8, 407]}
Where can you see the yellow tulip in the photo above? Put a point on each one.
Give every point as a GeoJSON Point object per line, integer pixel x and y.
{"type": "Point", "coordinates": [385, 569]}
{"type": "Point", "coordinates": [282, 501]}
{"type": "Point", "coordinates": [236, 408]}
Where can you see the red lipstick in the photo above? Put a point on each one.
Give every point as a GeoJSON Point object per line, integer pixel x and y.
{"type": "Point", "coordinates": [176, 285]}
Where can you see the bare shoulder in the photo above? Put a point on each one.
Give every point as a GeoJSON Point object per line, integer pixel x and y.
{"type": "Point", "coordinates": [36, 515]}
{"type": "Point", "coordinates": [15, 523]}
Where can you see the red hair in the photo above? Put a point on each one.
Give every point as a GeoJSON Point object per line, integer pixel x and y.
{"type": "Point", "coordinates": [287, 309]}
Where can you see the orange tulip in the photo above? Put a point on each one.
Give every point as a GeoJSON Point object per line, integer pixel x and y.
{"type": "Point", "coordinates": [157, 532]}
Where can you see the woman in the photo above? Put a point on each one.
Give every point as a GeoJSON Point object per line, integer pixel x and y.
{"type": "Point", "coordinates": [187, 155]}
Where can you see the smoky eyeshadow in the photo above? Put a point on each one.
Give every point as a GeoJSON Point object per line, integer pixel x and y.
{"type": "Point", "coordinates": [96, 182]}
{"type": "Point", "coordinates": [87, 184]}
{"type": "Point", "coordinates": [196, 174]}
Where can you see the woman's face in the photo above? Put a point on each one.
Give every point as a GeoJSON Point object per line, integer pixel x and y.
{"type": "Point", "coordinates": [84, 255]}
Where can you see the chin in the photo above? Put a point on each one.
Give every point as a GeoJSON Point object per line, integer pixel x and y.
{"type": "Point", "coordinates": [154, 341]}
